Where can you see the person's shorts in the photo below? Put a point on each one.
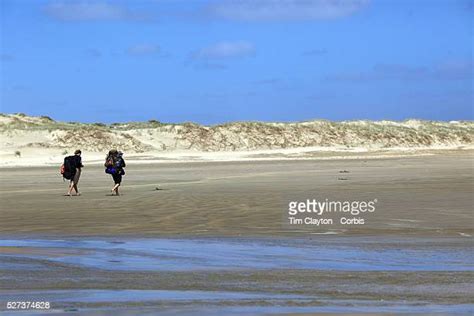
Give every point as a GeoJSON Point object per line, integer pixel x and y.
{"type": "Point", "coordinates": [117, 178]}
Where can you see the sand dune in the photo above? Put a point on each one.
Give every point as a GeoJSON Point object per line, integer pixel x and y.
{"type": "Point", "coordinates": [28, 140]}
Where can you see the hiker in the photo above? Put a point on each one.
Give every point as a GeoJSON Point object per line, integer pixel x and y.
{"type": "Point", "coordinates": [114, 164]}
{"type": "Point", "coordinates": [71, 170]}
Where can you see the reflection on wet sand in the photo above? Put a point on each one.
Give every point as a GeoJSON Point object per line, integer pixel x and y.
{"type": "Point", "coordinates": [352, 254]}
{"type": "Point", "coordinates": [358, 274]}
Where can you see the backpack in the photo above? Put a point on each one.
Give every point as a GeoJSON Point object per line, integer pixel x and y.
{"type": "Point", "coordinates": [119, 163]}
{"type": "Point", "coordinates": [68, 168]}
{"type": "Point", "coordinates": [111, 170]}
{"type": "Point", "coordinates": [109, 161]}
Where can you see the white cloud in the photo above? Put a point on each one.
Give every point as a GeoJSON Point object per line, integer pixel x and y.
{"type": "Point", "coordinates": [87, 11]}
{"type": "Point", "coordinates": [144, 49]}
{"type": "Point", "coordinates": [7, 57]}
{"type": "Point", "coordinates": [315, 52]}
{"type": "Point", "coordinates": [93, 53]}
{"type": "Point", "coordinates": [210, 66]}
{"type": "Point", "coordinates": [453, 70]}
{"type": "Point", "coordinates": [286, 10]}
{"type": "Point", "coordinates": [225, 50]}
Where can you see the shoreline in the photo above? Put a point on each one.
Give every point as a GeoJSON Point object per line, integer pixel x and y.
{"type": "Point", "coordinates": [345, 275]}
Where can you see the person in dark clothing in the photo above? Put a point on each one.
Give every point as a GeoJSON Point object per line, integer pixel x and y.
{"type": "Point", "coordinates": [76, 173]}
{"type": "Point", "coordinates": [114, 164]}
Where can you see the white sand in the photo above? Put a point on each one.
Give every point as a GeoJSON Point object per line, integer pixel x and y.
{"type": "Point", "coordinates": [40, 141]}
{"type": "Point", "coordinates": [54, 157]}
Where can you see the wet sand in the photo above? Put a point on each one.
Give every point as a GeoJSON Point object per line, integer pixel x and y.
{"type": "Point", "coordinates": [422, 196]}
{"type": "Point", "coordinates": [236, 276]}
{"type": "Point", "coordinates": [213, 239]}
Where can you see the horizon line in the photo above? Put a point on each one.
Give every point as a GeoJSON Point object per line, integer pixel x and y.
{"type": "Point", "coordinates": [151, 121]}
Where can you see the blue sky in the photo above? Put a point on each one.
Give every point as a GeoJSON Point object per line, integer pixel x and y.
{"type": "Point", "coordinates": [218, 61]}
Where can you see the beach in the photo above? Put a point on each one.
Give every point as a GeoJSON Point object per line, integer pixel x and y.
{"type": "Point", "coordinates": [420, 196]}
{"type": "Point", "coordinates": [213, 237]}
{"type": "Point", "coordinates": [236, 157]}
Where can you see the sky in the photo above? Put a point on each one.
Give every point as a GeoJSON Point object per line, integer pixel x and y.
{"type": "Point", "coordinates": [215, 61]}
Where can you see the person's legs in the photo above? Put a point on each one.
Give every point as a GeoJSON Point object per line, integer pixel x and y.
{"type": "Point", "coordinates": [115, 189]}
{"type": "Point", "coordinates": [76, 181]}
{"type": "Point", "coordinates": [117, 181]}
{"type": "Point", "coordinates": [71, 185]}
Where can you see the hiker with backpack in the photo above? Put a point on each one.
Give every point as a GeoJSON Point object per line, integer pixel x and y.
{"type": "Point", "coordinates": [71, 170]}
{"type": "Point", "coordinates": [114, 164]}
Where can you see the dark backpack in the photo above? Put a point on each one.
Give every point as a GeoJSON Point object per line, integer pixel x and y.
{"type": "Point", "coordinates": [119, 162]}
{"type": "Point", "coordinates": [109, 161]}
{"type": "Point", "coordinates": [69, 169]}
